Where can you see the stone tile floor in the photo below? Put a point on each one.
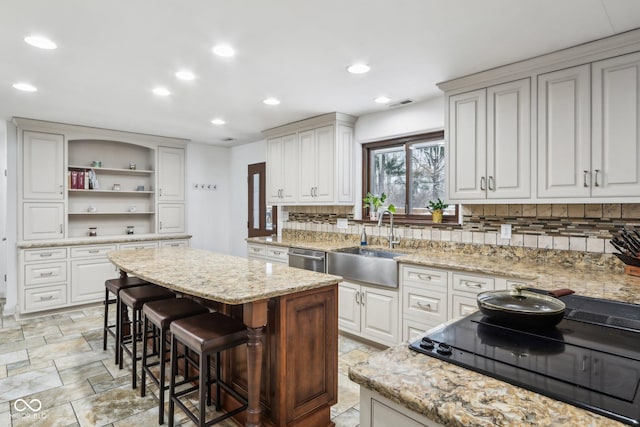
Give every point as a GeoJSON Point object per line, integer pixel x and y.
{"type": "Point", "coordinates": [56, 364]}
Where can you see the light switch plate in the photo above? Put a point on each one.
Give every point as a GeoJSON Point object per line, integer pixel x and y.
{"type": "Point", "coordinates": [342, 223]}
{"type": "Point", "coordinates": [505, 231]}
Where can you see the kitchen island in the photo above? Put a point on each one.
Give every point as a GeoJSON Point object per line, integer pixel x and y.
{"type": "Point", "coordinates": [297, 310]}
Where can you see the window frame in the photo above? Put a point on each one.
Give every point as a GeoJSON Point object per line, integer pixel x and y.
{"type": "Point", "coordinates": [406, 142]}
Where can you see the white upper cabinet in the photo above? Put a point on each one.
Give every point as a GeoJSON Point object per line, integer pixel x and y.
{"type": "Point", "coordinates": [467, 150]}
{"type": "Point", "coordinates": [316, 165]}
{"type": "Point", "coordinates": [311, 161]}
{"type": "Point", "coordinates": [509, 140]}
{"type": "Point", "coordinates": [42, 166]}
{"type": "Point", "coordinates": [564, 134]}
{"type": "Point", "coordinates": [489, 143]}
{"type": "Point", "coordinates": [170, 174]}
{"type": "Point", "coordinates": [616, 127]}
{"type": "Point", "coordinates": [282, 169]}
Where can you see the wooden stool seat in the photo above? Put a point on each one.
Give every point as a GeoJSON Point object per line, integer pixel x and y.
{"type": "Point", "coordinates": [205, 334]}
{"type": "Point", "coordinates": [115, 286]}
{"type": "Point", "coordinates": [135, 298]}
{"type": "Point", "coordinates": [160, 314]}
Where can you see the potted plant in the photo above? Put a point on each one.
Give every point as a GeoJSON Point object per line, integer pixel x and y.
{"type": "Point", "coordinates": [374, 203]}
{"type": "Point", "coordinates": [436, 209]}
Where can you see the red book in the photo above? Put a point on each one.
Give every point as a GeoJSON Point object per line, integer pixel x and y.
{"type": "Point", "coordinates": [74, 179]}
{"type": "Point", "coordinates": [81, 180]}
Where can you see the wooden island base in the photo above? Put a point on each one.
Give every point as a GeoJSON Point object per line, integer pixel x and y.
{"type": "Point", "coordinates": [299, 381]}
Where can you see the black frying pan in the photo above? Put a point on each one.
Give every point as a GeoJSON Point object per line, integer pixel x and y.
{"type": "Point", "coordinates": [523, 308]}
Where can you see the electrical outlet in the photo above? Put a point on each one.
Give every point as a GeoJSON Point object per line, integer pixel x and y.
{"type": "Point", "coordinates": [505, 231]}
{"type": "Point", "coordinates": [342, 223]}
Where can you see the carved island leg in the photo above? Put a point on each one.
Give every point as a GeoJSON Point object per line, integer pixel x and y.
{"type": "Point", "coordinates": [255, 317]}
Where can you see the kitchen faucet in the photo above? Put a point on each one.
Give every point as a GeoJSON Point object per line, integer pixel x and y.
{"type": "Point", "coordinates": [391, 236]}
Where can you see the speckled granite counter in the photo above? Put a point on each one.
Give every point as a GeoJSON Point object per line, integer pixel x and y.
{"type": "Point", "coordinates": [99, 240]}
{"type": "Point", "coordinates": [222, 278]}
{"type": "Point", "coordinates": [319, 245]}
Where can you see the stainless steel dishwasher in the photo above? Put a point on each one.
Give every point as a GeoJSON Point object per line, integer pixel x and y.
{"type": "Point", "coordinates": [307, 259]}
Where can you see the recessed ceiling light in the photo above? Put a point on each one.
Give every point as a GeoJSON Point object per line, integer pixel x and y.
{"type": "Point", "coordinates": [161, 91]}
{"type": "Point", "coordinates": [26, 87]}
{"type": "Point", "coordinates": [185, 75]}
{"type": "Point", "coordinates": [217, 122]}
{"type": "Point", "coordinates": [40, 42]}
{"type": "Point", "coordinates": [358, 68]}
{"type": "Point", "coordinates": [382, 100]}
{"type": "Point", "coordinates": [224, 50]}
{"type": "Point", "coordinates": [271, 101]}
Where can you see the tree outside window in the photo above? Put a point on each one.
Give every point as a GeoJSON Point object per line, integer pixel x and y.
{"type": "Point", "coordinates": [418, 161]}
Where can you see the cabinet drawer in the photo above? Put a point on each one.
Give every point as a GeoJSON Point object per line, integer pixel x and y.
{"type": "Point", "coordinates": [45, 254]}
{"type": "Point", "coordinates": [462, 305]}
{"type": "Point", "coordinates": [50, 272]}
{"type": "Point", "coordinates": [472, 284]}
{"type": "Point", "coordinates": [174, 244]}
{"type": "Point", "coordinates": [91, 251]}
{"type": "Point", "coordinates": [425, 278]}
{"type": "Point", "coordinates": [424, 305]}
{"type": "Point", "coordinates": [278, 254]}
{"type": "Point", "coordinates": [412, 330]}
{"type": "Point", "coordinates": [257, 251]}
{"type": "Point", "coordinates": [36, 299]}
{"type": "Point", "coordinates": [140, 245]}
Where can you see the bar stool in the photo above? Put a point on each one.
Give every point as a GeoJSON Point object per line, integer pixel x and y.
{"type": "Point", "coordinates": [205, 334]}
{"type": "Point", "coordinates": [114, 286]}
{"type": "Point", "coordinates": [135, 298]}
{"type": "Point", "coordinates": [161, 314]}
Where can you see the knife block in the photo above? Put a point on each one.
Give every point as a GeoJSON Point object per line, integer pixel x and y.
{"type": "Point", "coordinates": [632, 270]}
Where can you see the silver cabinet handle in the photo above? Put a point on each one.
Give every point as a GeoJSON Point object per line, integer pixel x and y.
{"type": "Point", "coordinates": [597, 171]}
{"type": "Point", "coordinates": [61, 189]}
{"type": "Point", "coordinates": [61, 229]}
{"type": "Point", "coordinates": [357, 300]}
{"type": "Point", "coordinates": [46, 274]}
{"type": "Point", "coordinates": [277, 252]}
{"type": "Point", "coordinates": [160, 192]}
{"type": "Point", "coordinates": [482, 183]}
{"type": "Point", "coordinates": [311, 257]}
{"type": "Point", "coordinates": [426, 307]}
{"type": "Point", "coordinates": [424, 276]}
{"type": "Point", "coordinates": [584, 179]}
{"type": "Point", "coordinates": [46, 298]}
{"type": "Point", "coordinates": [174, 244]}
{"type": "Point", "coordinates": [362, 297]}
{"type": "Point", "coordinates": [46, 254]}
{"type": "Point", "coordinates": [471, 285]}
{"type": "Point", "coordinates": [490, 182]}
{"type": "Point", "coordinates": [94, 251]}
{"type": "Point", "coordinates": [160, 225]}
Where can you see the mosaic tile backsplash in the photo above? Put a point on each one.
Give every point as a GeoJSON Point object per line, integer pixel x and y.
{"type": "Point", "coordinates": [573, 227]}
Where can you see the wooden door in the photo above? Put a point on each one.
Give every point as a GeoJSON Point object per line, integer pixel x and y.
{"type": "Point", "coordinates": [262, 219]}
{"type": "Point", "coordinates": [564, 134]}
{"type": "Point", "coordinates": [616, 127]}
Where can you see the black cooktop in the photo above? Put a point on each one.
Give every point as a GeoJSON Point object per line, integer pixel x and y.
{"type": "Point", "coordinates": [591, 359]}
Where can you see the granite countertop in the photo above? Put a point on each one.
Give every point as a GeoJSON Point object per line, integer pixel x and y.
{"type": "Point", "coordinates": [318, 245]}
{"type": "Point", "coordinates": [99, 240]}
{"type": "Point", "coordinates": [217, 277]}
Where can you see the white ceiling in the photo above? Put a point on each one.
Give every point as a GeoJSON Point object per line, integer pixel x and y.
{"type": "Point", "coordinates": [112, 53]}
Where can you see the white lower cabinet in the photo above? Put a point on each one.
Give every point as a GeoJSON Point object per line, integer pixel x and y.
{"type": "Point", "coordinates": [171, 218]}
{"type": "Point", "coordinates": [269, 253]}
{"type": "Point", "coordinates": [43, 277]}
{"type": "Point", "coordinates": [378, 411]}
{"type": "Point", "coordinates": [45, 298]}
{"type": "Point", "coordinates": [43, 221]}
{"type": "Point", "coordinates": [174, 244]}
{"type": "Point", "coordinates": [369, 312]}
{"type": "Point", "coordinates": [88, 277]}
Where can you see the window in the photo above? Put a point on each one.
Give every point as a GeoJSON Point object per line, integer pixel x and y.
{"type": "Point", "coordinates": [411, 172]}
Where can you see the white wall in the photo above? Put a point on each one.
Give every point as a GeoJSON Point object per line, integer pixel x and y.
{"type": "Point", "coordinates": [241, 157]}
{"type": "Point", "coordinates": [3, 208]}
{"type": "Point", "coordinates": [208, 212]}
{"type": "Point", "coordinates": [402, 121]}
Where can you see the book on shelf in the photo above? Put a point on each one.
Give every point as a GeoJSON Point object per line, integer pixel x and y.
{"type": "Point", "coordinates": [74, 179]}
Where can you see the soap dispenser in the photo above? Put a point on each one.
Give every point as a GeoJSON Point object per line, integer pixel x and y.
{"type": "Point", "coordinates": [363, 237]}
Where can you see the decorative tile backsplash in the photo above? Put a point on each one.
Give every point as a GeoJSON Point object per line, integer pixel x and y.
{"type": "Point", "coordinates": [580, 227]}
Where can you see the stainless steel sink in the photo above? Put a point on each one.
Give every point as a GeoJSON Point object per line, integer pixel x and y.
{"type": "Point", "coordinates": [365, 265]}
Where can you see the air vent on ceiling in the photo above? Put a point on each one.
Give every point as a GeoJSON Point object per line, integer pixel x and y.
{"type": "Point", "coordinates": [401, 103]}
{"type": "Point", "coordinates": [228, 139]}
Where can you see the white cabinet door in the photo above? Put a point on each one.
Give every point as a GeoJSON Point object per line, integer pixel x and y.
{"type": "Point", "coordinates": [462, 305]}
{"type": "Point", "coordinates": [467, 146]}
{"type": "Point", "coordinates": [380, 315]}
{"type": "Point", "coordinates": [345, 172]}
{"type": "Point", "coordinates": [324, 164]}
{"type": "Point", "coordinates": [170, 174]}
{"type": "Point", "coordinates": [275, 170]}
{"type": "Point", "coordinates": [616, 127]}
{"type": "Point", "coordinates": [307, 161]}
{"type": "Point", "coordinates": [43, 221]}
{"type": "Point", "coordinates": [88, 277]}
{"type": "Point", "coordinates": [290, 167]}
{"type": "Point", "coordinates": [349, 307]}
{"type": "Point", "coordinates": [564, 134]}
{"type": "Point", "coordinates": [42, 166]}
{"type": "Point", "coordinates": [171, 218]}
{"type": "Point", "coordinates": [508, 140]}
